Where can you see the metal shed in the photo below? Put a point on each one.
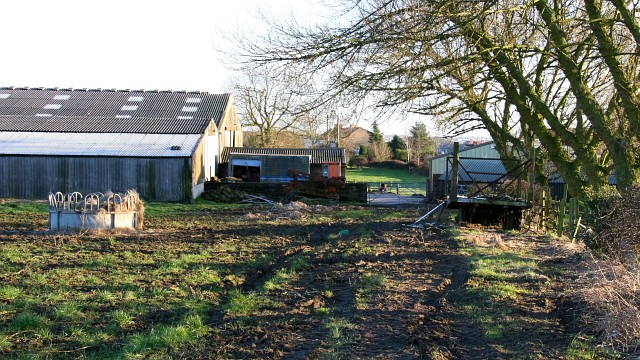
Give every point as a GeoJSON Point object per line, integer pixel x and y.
{"type": "Point", "coordinates": [438, 164]}
{"type": "Point", "coordinates": [162, 144]}
{"type": "Point", "coordinates": [272, 164]}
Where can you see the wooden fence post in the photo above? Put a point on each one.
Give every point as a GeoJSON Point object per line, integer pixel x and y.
{"type": "Point", "coordinates": [453, 195]}
{"type": "Point", "coordinates": [561, 213]}
{"type": "Point", "coordinates": [544, 210]}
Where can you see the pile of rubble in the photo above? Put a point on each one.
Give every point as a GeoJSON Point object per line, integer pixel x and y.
{"type": "Point", "coordinates": [225, 194]}
{"type": "Point", "coordinates": [293, 210]}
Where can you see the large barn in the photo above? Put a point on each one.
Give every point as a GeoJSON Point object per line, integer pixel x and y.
{"type": "Point", "coordinates": [164, 144]}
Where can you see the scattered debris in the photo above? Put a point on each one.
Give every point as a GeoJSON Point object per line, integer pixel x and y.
{"type": "Point", "coordinates": [417, 224]}
{"type": "Point", "coordinates": [253, 199]}
{"type": "Point", "coordinates": [292, 210]}
{"type": "Point", "coordinates": [225, 194]}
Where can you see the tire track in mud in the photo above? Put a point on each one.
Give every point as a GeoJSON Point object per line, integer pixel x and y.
{"type": "Point", "coordinates": [407, 319]}
{"type": "Point", "coordinates": [410, 317]}
{"type": "Point", "coordinates": [319, 315]}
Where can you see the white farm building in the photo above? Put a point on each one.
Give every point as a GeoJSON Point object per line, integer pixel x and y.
{"type": "Point", "coordinates": [164, 144]}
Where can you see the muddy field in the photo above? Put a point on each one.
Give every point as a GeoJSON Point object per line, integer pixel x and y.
{"type": "Point", "coordinates": [303, 282]}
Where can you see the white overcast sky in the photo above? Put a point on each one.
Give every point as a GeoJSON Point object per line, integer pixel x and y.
{"type": "Point", "coordinates": [122, 44]}
{"type": "Point", "coordinates": [130, 44]}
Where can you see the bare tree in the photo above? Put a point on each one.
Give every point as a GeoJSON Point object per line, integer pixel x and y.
{"type": "Point", "coordinates": [270, 101]}
{"type": "Point", "coordinates": [562, 74]}
{"type": "Point", "coordinates": [379, 151]}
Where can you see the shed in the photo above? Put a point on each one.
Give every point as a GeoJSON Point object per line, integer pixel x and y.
{"type": "Point", "coordinates": [473, 171]}
{"type": "Point", "coordinates": [164, 144]}
{"type": "Point", "coordinates": [438, 164]}
{"type": "Point", "coordinates": [273, 164]}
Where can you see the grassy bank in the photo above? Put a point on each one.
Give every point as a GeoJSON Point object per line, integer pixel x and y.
{"type": "Point", "coordinates": [375, 175]}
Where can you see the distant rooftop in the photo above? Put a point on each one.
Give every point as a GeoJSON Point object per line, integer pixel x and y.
{"type": "Point", "coordinates": [318, 155]}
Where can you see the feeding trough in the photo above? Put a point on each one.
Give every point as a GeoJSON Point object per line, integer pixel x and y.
{"type": "Point", "coordinates": [72, 211]}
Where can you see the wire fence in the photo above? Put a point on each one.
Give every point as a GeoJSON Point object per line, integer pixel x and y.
{"type": "Point", "coordinates": [487, 177]}
{"type": "Point", "coordinates": [401, 192]}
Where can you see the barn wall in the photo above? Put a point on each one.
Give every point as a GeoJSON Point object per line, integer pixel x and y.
{"type": "Point", "coordinates": [156, 179]}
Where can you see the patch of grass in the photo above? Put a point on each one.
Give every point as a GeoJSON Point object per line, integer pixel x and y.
{"type": "Point", "coordinates": [105, 296]}
{"type": "Point", "coordinates": [123, 319]}
{"type": "Point", "coordinates": [244, 304]}
{"type": "Point", "coordinates": [203, 276]}
{"type": "Point", "coordinates": [382, 175]}
{"type": "Point", "coordinates": [24, 206]}
{"type": "Point", "coordinates": [13, 255]}
{"type": "Point", "coordinates": [297, 263]}
{"type": "Point", "coordinates": [178, 209]}
{"type": "Point", "coordinates": [5, 342]}
{"type": "Point", "coordinates": [280, 278]}
{"type": "Point", "coordinates": [9, 292]}
{"type": "Point", "coordinates": [581, 348]}
{"type": "Point", "coordinates": [499, 280]}
{"type": "Point", "coordinates": [162, 337]}
{"type": "Point", "coordinates": [69, 311]}
{"type": "Point", "coordinates": [100, 262]}
{"type": "Point", "coordinates": [336, 327]}
{"type": "Point", "coordinates": [369, 281]}
{"type": "Point", "coordinates": [323, 311]}
{"type": "Point", "coordinates": [29, 321]}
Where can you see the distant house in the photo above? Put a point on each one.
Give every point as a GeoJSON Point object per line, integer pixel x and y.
{"type": "Point", "coordinates": [350, 138]}
{"type": "Point", "coordinates": [273, 164]}
{"type": "Point", "coordinates": [164, 144]}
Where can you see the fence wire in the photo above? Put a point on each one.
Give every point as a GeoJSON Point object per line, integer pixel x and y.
{"type": "Point", "coordinates": [487, 178]}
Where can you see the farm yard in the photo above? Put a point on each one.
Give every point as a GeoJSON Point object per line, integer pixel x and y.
{"type": "Point", "coordinates": [296, 281]}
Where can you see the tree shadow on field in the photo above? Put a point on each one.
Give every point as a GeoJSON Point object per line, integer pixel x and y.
{"type": "Point", "coordinates": [408, 317]}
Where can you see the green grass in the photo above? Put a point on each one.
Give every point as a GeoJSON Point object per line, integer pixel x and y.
{"type": "Point", "coordinates": [500, 284]}
{"type": "Point", "coordinates": [375, 175]}
{"type": "Point", "coordinates": [245, 304]}
{"type": "Point", "coordinates": [176, 209]}
{"type": "Point", "coordinates": [202, 281]}
{"type": "Point", "coordinates": [23, 206]}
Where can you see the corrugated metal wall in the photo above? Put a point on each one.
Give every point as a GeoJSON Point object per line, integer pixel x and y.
{"type": "Point", "coordinates": [156, 179]}
{"type": "Point", "coordinates": [276, 168]}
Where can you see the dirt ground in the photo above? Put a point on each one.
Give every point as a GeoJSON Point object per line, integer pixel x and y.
{"type": "Point", "coordinates": [416, 315]}
{"type": "Point", "coordinates": [330, 310]}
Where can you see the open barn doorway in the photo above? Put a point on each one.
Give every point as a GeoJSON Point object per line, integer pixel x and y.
{"type": "Point", "coordinates": [247, 170]}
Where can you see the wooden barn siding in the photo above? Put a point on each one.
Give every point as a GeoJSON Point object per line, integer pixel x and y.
{"type": "Point", "coordinates": [198, 163]}
{"type": "Point", "coordinates": [156, 179]}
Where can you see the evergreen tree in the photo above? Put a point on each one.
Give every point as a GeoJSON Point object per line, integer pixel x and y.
{"type": "Point", "coordinates": [399, 148]}
{"type": "Point", "coordinates": [376, 135]}
{"type": "Point", "coordinates": [422, 144]}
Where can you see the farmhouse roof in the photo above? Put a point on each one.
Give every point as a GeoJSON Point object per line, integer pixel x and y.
{"type": "Point", "coordinates": [318, 155]}
{"type": "Point", "coordinates": [109, 111]}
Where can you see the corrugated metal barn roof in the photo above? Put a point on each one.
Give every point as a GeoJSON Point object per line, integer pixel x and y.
{"type": "Point", "coordinates": [109, 111]}
{"type": "Point", "coordinates": [318, 155]}
{"type": "Point", "coordinates": [478, 170]}
{"type": "Point", "coordinates": [98, 144]}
